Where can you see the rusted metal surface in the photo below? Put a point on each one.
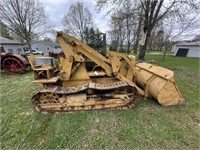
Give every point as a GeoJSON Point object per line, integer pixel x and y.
{"type": "Point", "coordinates": [13, 64]}
{"type": "Point", "coordinates": [59, 99]}
{"type": "Point", "coordinates": [22, 59]}
{"type": "Point", "coordinates": [71, 90]}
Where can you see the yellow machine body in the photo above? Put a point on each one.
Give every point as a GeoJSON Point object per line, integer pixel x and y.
{"type": "Point", "coordinates": [86, 80]}
{"type": "Point", "coordinates": [160, 84]}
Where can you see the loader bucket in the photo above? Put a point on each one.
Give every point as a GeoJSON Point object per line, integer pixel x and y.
{"type": "Point", "coordinates": [160, 84]}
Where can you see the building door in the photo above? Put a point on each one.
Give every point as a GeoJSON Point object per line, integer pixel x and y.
{"type": "Point", "coordinates": [182, 52]}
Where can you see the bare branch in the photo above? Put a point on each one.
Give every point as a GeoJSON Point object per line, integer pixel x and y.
{"type": "Point", "coordinates": [24, 18]}
{"type": "Point", "coordinates": [77, 19]}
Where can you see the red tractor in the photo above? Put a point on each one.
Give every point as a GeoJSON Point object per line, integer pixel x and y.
{"type": "Point", "coordinates": [14, 64]}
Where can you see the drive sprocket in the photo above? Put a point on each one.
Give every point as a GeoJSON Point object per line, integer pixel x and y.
{"type": "Point", "coordinates": [61, 99]}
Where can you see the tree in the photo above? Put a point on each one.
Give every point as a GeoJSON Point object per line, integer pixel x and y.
{"type": "Point", "coordinates": [93, 38]}
{"type": "Point", "coordinates": [157, 38]}
{"type": "Point", "coordinates": [117, 32]}
{"type": "Point", "coordinates": [25, 18]}
{"type": "Point", "coordinates": [138, 31]}
{"type": "Point", "coordinates": [123, 27]}
{"type": "Point", "coordinates": [4, 31]}
{"type": "Point", "coordinates": [125, 22]}
{"type": "Point", "coordinates": [86, 34]}
{"type": "Point", "coordinates": [98, 40]}
{"type": "Point", "coordinates": [153, 11]}
{"type": "Point", "coordinates": [77, 20]}
{"type": "Point", "coordinates": [130, 25]}
{"type": "Point", "coordinates": [172, 36]}
{"type": "Point", "coordinates": [196, 38]}
{"type": "Point", "coordinates": [47, 39]}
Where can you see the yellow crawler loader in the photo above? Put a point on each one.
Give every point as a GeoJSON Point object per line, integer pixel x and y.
{"type": "Point", "coordinates": [86, 80]}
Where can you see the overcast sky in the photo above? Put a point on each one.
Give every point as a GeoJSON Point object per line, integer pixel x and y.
{"type": "Point", "coordinates": [56, 9]}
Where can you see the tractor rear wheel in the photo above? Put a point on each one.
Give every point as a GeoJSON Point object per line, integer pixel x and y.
{"type": "Point", "coordinates": [13, 66]}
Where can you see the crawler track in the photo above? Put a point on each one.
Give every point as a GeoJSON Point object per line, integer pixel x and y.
{"type": "Point", "coordinates": [90, 96]}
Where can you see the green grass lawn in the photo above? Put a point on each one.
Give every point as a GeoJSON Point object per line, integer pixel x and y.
{"type": "Point", "coordinates": [147, 126]}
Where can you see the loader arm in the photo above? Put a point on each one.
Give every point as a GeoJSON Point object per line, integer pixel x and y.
{"type": "Point", "coordinates": [111, 64]}
{"type": "Point", "coordinates": [82, 48]}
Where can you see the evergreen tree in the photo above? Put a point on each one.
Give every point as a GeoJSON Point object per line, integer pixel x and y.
{"type": "Point", "coordinates": [4, 31]}
{"type": "Point", "coordinates": [93, 38]}
{"type": "Point", "coordinates": [98, 39]}
{"type": "Point", "coordinates": [86, 35]}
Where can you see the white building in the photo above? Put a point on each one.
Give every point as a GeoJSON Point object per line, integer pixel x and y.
{"type": "Point", "coordinates": [46, 46]}
{"type": "Point", "coordinates": [187, 49]}
{"type": "Point", "coordinates": [11, 46]}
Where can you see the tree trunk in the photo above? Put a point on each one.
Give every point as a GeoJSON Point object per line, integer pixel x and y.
{"type": "Point", "coordinates": [143, 48]}
{"type": "Point", "coordinates": [117, 44]}
{"type": "Point", "coordinates": [121, 47]}
{"type": "Point", "coordinates": [161, 44]}
{"type": "Point", "coordinates": [137, 37]}
{"type": "Point", "coordinates": [29, 45]}
{"type": "Point", "coordinates": [128, 48]}
{"type": "Point", "coordinates": [135, 47]}
{"type": "Point", "coordinates": [164, 54]}
{"type": "Point", "coordinates": [142, 52]}
{"type": "Point", "coordinates": [150, 44]}
{"type": "Point", "coordinates": [138, 33]}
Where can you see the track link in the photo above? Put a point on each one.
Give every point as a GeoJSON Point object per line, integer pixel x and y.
{"type": "Point", "coordinates": [90, 96]}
